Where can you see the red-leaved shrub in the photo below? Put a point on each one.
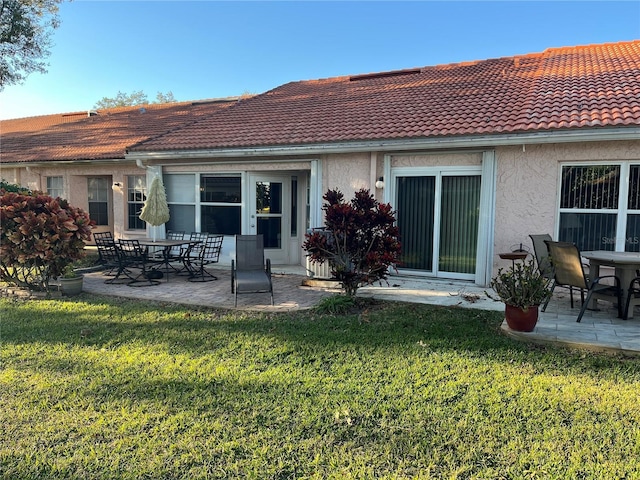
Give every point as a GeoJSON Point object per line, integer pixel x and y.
{"type": "Point", "coordinates": [359, 239]}
{"type": "Point", "coordinates": [40, 236]}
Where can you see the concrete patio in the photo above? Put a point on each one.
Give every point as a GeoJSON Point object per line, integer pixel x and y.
{"type": "Point", "coordinates": [598, 331]}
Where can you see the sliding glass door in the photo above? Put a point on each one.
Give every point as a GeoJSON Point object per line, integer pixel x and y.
{"type": "Point", "coordinates": [438, 217]}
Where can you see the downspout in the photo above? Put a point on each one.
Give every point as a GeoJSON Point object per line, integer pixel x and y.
{"type": "Point", "coordinates": [372, 173]}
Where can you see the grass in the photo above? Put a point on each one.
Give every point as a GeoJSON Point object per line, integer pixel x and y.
{"type": "Point", "coordinates": [97, 388]}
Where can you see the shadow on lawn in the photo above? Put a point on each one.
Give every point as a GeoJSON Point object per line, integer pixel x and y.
{"type": "Point", "coordinates": [97, 321]}
{"type": "Point", "coordinates": [90, 320]}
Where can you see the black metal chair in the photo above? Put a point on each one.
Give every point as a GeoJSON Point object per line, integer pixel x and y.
{"type": "Point", "coordinates": [133, 257]}
{"type": "Point", "coordinates": [174, 254]}
{"type": "Point", "coordinates": [107, 252]}
{"type": "Point", "coordinates": [189, 252]}
{"type": "Point", "coordinates": [633, 296]}
{"type": "Point", "coordinates": [250, 273]}
{"type": "Point", "coordinates": [202, 255]}
{"type": "Point", "coordinates": [569, 272]}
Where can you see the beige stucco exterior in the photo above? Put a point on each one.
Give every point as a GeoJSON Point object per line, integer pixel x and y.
{"type": "Point", "coordinates": [525, 198]}
{"type": "Point", "coordinates": [527, 189]}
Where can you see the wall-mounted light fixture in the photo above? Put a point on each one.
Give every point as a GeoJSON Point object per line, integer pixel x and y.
{"type": "Point", "coordinates": [116, 186]}
{"type": "Point", "coordinates": [380, 183]}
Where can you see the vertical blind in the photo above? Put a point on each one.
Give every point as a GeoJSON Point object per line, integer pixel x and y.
{"type": "Point", "coordinates": [459, 223]}
{"type": "Point", "coordinates": [416, 196]}
{"type": "Point", "coordinates": [458, 226]}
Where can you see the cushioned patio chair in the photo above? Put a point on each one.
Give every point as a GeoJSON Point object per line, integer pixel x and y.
{"type": "Point", "coordinates": [250, 273]}
{"type": "Point", "coordinates": [569, 272]}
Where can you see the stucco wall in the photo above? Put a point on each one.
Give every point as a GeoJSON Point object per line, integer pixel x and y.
{"type": "Point", "coordinates": [347, 173]}
{"type": "Point", "coordinates": [527, 186]}
{"type": "Point", "coordinates": [437, 159]}
{"type": "Point", "coordinates": [75, 185]}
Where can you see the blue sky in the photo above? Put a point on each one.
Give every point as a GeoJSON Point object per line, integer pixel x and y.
{"type": "Point", "coordinates": [209, 49]}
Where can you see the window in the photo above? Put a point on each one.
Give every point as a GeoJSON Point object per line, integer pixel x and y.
{"type": "Point", "coordinates": [55, 187]}
{"type": "Point", "coordinates": [98, 189]}
{"type": "Point", "coordinates": [206, 203]}
{"type": "Point", "coordinates": [220, 209]}
{"type": "Point", "coordinates": [181, 198]}
{"type": "Point", "coordinates": [136, 195]}
{"type": "Point", "coordinates": [600, 206]}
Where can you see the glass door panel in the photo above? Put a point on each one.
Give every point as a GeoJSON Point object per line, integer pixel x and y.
{"type": "Point", "coordinates": [438, 219]}
{"type": "Point", "coordinates": [416, 208]}
{"type": "Point", "coordinates": [460, 211]}
{"type": "Point", "coordinates": [271, 228]}
{"type": "Point", "coordinates": [269, 214]}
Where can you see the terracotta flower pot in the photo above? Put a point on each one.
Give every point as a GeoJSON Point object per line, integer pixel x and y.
{"type": "Point", "coordinates": [521, 320]}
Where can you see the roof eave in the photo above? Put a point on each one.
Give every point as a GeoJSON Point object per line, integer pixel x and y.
{"type": "Point", "coordinates": [58, 163]}
{"type": "Point", "coordinates": [396, 145]}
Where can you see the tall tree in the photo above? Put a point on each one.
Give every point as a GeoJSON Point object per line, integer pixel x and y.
{"type": "Point", "coordinates": [130, 100]}
{"type": "Point", "coordinates": [25, 37]}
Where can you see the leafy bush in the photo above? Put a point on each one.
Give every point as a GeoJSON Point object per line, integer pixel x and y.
{"type": "Point", "coordinates": [13, 187]}
{"type": "Point", "coordinates": [359, 240]}
{"type": "Point", "coordinates": [40, 237]}
{"type": "Point", "coordinates": [335, 305]}
{"type": "Point", "coordinates": [522, 285]}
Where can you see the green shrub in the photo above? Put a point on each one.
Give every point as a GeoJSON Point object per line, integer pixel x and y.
{"type": "Point", "coordinates": [336, 305]}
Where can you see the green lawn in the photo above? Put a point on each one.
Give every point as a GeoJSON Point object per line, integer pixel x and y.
{"type": "Point", "coordinates": [97, 388]}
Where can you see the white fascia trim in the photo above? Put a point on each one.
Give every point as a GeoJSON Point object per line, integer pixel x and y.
{"type": "Point", "coordinates": [62, 163]}
{"type": "Point", "coordinates": [475, 141]}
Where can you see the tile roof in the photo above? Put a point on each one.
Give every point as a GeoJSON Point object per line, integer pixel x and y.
{"type": "Point", "coordinates": [560, 88]}
{"type": "Point", "coordinates": [104, 135]}
{"type": "Point", "coordinates": [591, 86]}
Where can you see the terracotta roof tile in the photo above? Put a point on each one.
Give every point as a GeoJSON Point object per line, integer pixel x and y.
{"type": "Point", "coordinates": [593, 86]}
{"type": "Point", "coordinates": [560, 88]}
{"type": "Point", "coordinates": [105, 135]}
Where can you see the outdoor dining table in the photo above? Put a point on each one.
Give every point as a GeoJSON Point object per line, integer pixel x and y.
{"type": "Point", "coordinates": [166, 245]}
{"type": "Point", "coordinates": [626, 265]}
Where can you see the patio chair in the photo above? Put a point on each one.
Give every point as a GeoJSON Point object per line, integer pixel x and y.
{"type": "Point", "coordinates": [250, 273]}
{"type": "Point", "coordinates": [133, 257]}
{"type": "Point", "coordinates": [569, 272]}
{"type": "Point", "coordinates": [542, 254]}
{"type": "Point", "coordinates": [203, 255]}
{"type": "Point", "coordinates": [107, 252]}
{"type": "Point", "coordinates": [187, 252]}
{"type": "Point", "coordinates": [174, 254]}
{"type": "Point", "coordinates": [633, 296]}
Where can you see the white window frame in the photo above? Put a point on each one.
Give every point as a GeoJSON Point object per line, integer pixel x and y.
{"type": "Point", "coordinates": [622, 211]}
{"type": "Point", "coordinates": [58, 190]}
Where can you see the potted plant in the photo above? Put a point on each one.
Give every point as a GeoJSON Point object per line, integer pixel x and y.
{"type": "Point", "coordinates": [522, 288]}
{"type": "Point", "coordinates": [70, 281]}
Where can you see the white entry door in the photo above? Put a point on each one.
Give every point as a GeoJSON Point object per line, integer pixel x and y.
{"type": "Point", "coordinates": [270, 214]}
